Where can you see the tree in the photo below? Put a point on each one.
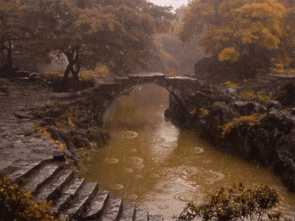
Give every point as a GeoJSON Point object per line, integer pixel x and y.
{"type": "Point", "coordinates": [115, 33]}
{"type": "Point", "coordinates": [118, 33]}
{"type": "Point", "coordinates": [288, 46]}
{"type": "Point", "coordinates": [68, 31]}
{"type": "Point", "coordinates": [248, 32]}
{"type": "Point", "coordinates": [13, 32]}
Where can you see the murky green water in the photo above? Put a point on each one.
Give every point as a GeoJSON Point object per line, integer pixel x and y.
{"type": "Point", "coordinates": [150, 161]}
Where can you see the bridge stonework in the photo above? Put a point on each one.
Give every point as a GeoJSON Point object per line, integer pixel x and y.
{"type": "Point", "coordinates": [179, 87]}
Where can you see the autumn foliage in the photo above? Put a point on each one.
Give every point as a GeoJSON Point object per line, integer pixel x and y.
{"type": "Point", "coordinates": [255, 34]}
{"type": "Point", "coordinates": [87, 34]}
{"type": "Point", "coordinates": [16, 204]}
{"type": "Point", "coordinates": [236, 203]}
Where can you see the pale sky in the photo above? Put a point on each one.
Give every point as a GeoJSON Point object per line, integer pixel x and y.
{"type": "Point", "coordinates": [173, 3]}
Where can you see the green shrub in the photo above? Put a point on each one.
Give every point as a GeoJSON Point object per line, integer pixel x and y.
{"type": "Point", "coordinates": [237, 202]}
{"type": "Point", "coordinates": [17, 205]}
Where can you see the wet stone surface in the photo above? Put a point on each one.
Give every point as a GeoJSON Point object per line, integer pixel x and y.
{"type": "Point", "coordinates": [18, 137]}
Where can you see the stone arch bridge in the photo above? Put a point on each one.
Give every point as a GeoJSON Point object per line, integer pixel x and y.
{"type": "Point", "coordinates": [180, 88]}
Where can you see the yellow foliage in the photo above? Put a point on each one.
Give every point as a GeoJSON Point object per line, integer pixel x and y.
{"type": "Point", "coordinates": [16, 204]}
{"type": "Point", "coordinates": [234, 29]}
{"type": "Point", "coordinates": [100, 70]}
{"type": "Point", "coordinates": [278, 68]}
{"type": "Point", "coordinates": [262, 97]}
{"type": "Point", "coordinates": [231, 84]}
{"type": "Point", "coordinates": [46, 135]}
{"type": "Point", "coordinates": [250, 120]}
{"type": "Point", "coordinates": [229, 55]}
{"type": "Point", "coordinates": [248, 94]}
{"type": "Point", "coordinates": [200, 112]}
{"type": "Point", "coordinates": [252, 95]}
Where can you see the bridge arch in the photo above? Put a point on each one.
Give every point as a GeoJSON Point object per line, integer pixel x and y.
{"type": "Point", "coordinates": [104, 94]}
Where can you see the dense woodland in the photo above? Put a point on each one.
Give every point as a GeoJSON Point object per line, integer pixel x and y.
{"type": "Point", "coordinates": [241, 37]}
{"type": "Point", "coordinates": [115, 34]}
{"type": "Point", "coordinates": [247, 36]}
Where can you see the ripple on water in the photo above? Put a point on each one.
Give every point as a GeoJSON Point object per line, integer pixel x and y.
{"type": "Point", "coordinates": [215, 176]}
{"type": "Point", "coordinates": [134, 150]}
{"type": "Point", "coordinates": [112, 161]}
{"type": "Point", "coordinates": [138, 176]}
{"type": "Point", "coordinates": [199, 150]}
{"type": "Point", "coordinates": [129, 134]}
{"type": "Point", "coordinates": [132, 197]}
{"type": "Point", "coordinates": [129, 170]}
{"type": "Point", "coordinates": [187, 196]}
{"type": "Point", "coordinates": [137, 163]}
{"type": "Point", "coordinates": [117, 187]}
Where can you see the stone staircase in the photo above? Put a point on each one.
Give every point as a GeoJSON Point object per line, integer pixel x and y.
{"type": "Point", "coordinates": [71, 197]}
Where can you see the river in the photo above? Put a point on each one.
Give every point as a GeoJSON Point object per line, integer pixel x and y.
{"type": "Point", "coordinates": [152, 162]}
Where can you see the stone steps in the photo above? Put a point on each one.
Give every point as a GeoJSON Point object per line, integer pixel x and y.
{"type": "Point", "coordinates": [67, 194]}
{"type": "Point", "coordinates": [96, 205]}
{"type": "Point", "coordinates": [81, 199]}
{"type": "Point", "coordinates": [112, 210]}
{"type": "Point", "coordinates": [72, 197]}
{"type": "Point", "coordinates": [52, 187]}
{"type": "Point", "coordinates": [128, 213]}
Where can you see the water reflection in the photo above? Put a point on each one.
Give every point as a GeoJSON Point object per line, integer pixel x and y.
{"type": "Point", "coordinates": [150, 161]}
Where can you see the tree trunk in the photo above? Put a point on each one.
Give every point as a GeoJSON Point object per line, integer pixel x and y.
{"type": "Point", "coordinates": [9, 57]}
{"type": "Point", "coordinates": [67, 73]}
{"type": "Point", "coordinates": [73, 68]}
{"type": "Point", "coordinates": [75, 73]}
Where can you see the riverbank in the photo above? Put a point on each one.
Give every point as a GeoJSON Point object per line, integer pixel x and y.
{"type": "Point", "coordinates": [19, 130]}
{"type": "Point", "coordinates": [31, 157]}
{"type": "Point", "coordinates": [257, 128]}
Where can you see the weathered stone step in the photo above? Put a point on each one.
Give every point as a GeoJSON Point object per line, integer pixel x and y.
{"type": "Point", "coordinates": [67, 193]}
{"type": "Point", "coordinates": [39, 177]}
{"type": "Point", "coordinates": [96, 205]}
{"type": "Point", "coordinates": [141, 215]}
{"type": "Point", "coordinates": [80, 200]}
{"type": "Point", "coordinates": [55, 184]}
{"type": "Point", "coordinates": [112, 210]}
{"type": "Point", "coordinates": [20, 169]}
{"type": "Point", "coordinates": [72, 197]}
{"type": "Point", "coordinates": [128, 212]}
{"type": "Point", "coordinates": [155, 218]}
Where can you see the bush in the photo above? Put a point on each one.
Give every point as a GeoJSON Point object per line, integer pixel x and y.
{"type": "Point", "coordinates": [251, 95]}
{"type": "Point", "coordinates": [250, 120]}
{"type": "Point", "coordinates": [200, 112]}
{"type": "Point", "coordinates": [231, 84]}
{"type": "Point", "coordinates": [17, 205]}
{"type": "Point", "coordinates": [235, 203]}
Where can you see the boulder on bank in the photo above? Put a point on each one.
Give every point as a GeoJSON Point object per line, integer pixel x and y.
{"type": "Point", "coordinates": [287, 95]}
{"type": "Point", "coordinates": [285, 164]}
{"type": "Point", "coordinates": [248, 108]}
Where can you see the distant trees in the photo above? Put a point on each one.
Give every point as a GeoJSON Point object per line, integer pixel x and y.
{"type": "Point", "coordinates": [13, 31]}
{"type": "Point", "coordinates": [117, 34]}
{"type": "Point", "coordinates": [248, 32]}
